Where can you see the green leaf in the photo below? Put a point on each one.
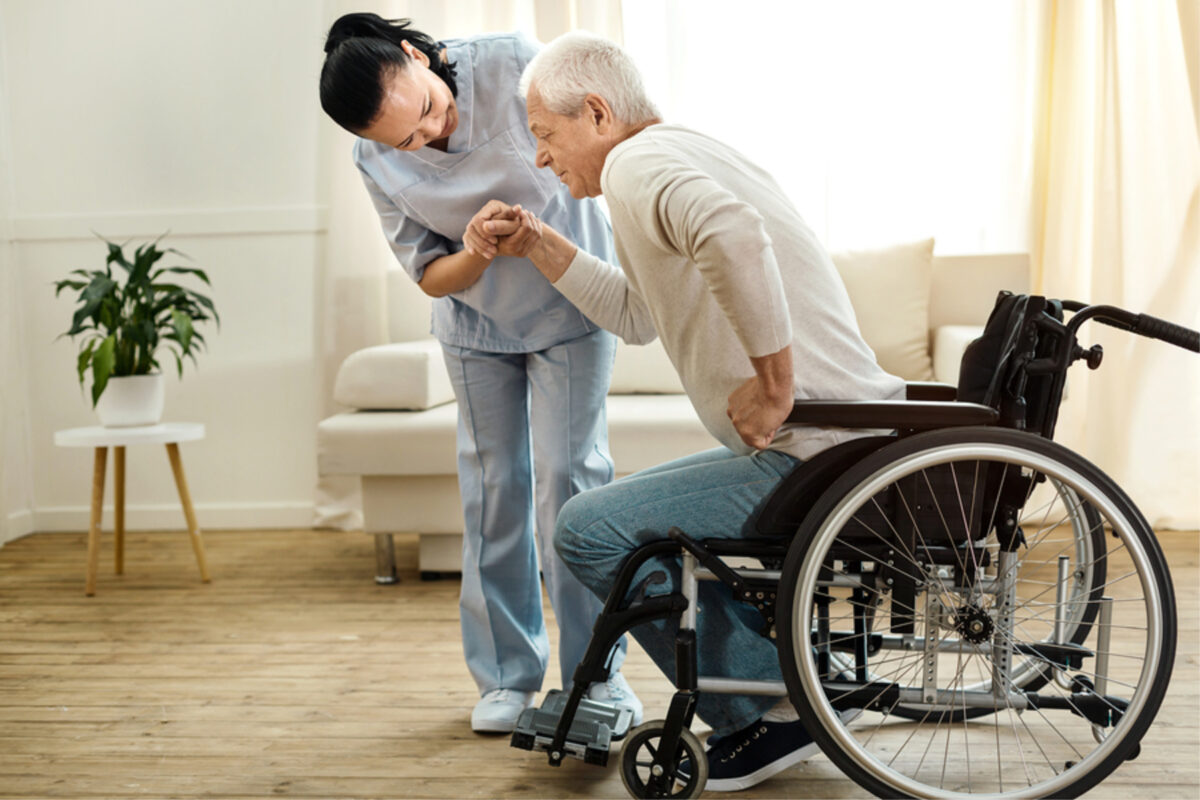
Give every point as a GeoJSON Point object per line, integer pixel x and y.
{"type": "Point", "coordinates": [116, 255]}
{"type": "Point", "coordinates": [82, 315]}
{"type": "Point", "coordinates": [183, 328]}
{"type": "Point", "coordinates": [67, 284]}
{"type": "Point", "coordinates": [143, 260]}
{"type": "Point", "coordinates": [199, 273]}
{"type": "Point", "coordinates": [101, 286]}
{"type": "Point", "coordinates": [85, 358]}
{"type": "Point", "coordinates": [204, 301]}
{"type": "Point", "coordinates": [102, 367]}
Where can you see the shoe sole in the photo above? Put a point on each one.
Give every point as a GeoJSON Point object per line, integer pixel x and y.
{"type": "Point", "coordinates": [494, 726]}
{"type": "Point", "coordinates": [775, 767]}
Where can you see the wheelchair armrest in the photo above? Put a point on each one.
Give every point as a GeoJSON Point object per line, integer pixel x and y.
{"type": "Point", "coordinates": [931, 390]}
{"type": "Point", "coordinates": [901, 414]}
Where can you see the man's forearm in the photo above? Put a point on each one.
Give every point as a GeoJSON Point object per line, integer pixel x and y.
{"type": "Point", "coordinates": [774, 371]}
{"type": "Point", "coordinates": [553, 254]}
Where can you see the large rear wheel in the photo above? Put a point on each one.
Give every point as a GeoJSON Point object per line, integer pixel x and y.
{"type": "Point", "coordinates": [959, 586]}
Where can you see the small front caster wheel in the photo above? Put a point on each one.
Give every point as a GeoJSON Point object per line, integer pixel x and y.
{"type": "Point", "coordinates": [643, 766]}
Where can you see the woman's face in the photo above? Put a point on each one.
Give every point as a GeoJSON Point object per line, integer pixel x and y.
{"type": "Point", "coordinates": [417, 107]}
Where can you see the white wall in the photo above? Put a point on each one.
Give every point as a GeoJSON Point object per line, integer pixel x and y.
{"type": "Point", "coordinates": [16, 459]}
{"type": "Point", "coordinates": [132, 117]}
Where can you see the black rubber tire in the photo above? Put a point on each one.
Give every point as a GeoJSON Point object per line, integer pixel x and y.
{"type": "Point", "coordinates": [634, 761]}
{"type": "Point", "coordinates": [863, 480]}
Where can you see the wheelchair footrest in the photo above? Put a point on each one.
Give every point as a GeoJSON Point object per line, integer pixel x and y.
{"type": "Point", "coordinates": [592, 731]}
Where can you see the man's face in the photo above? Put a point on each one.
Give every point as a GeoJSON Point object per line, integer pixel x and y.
{"type": "Point", "coordinates": [573, 147]}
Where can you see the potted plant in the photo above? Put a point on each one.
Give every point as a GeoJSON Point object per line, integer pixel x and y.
{"type": "Point", "coordinates": [124, 321]}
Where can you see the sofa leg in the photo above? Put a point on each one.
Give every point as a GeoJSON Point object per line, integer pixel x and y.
{"type": "Point", "coordinates": [385, 559]}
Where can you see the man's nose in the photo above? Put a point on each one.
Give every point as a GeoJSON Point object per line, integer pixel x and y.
{"type": "Point", "coordinates": [541, 157]}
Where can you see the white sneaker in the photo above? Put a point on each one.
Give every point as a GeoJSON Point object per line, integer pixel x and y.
{"type": "Point", "coordinates": [498, 710]}
{"type": "Point", "coordinates": [616, 691]}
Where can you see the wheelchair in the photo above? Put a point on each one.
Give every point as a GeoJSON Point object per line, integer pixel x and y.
{"type": "Point", "coordinates": [994, 604]}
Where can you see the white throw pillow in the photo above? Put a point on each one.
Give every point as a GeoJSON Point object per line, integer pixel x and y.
{"type": "Point", "coordinates": [399, 376]}
{"type": "Point", "coordinates": [889, 289]}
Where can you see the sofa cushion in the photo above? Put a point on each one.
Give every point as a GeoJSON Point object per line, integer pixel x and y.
{"type": "Point", "coordinates": [889, 289]}
{"type": "Point", "coordinates": [644, 430]}
{"type": "Point", "coordinates": [644, 369]}
{"type": "Point", "coordinates": [949, 344]}
{"type": "Point", "coordinates": [403, 375]}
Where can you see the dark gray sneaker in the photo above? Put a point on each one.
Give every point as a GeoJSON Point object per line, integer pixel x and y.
{"type": "Point", "coordinates": [753, 754]}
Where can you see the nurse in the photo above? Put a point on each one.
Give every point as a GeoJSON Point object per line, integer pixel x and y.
{"type": "Point", "coordinates": [442, 130]}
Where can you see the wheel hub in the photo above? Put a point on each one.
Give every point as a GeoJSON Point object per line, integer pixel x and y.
{"type": "Point", "coordinates": [973, 624]}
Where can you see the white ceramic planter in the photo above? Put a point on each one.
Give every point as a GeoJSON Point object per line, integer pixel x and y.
{"type": "Point", "coordinates": [131, 400]}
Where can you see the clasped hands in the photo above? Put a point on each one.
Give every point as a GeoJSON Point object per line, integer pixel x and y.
{"type": "Point", "coordinates": [499, 229]}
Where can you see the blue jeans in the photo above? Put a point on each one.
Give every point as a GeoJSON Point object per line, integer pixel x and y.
{"type": "Point", "coordinates": [707, 495]}
{"type": "Point", "coordinates": [529, 425]}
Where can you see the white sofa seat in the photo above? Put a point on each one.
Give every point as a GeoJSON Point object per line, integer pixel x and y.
{"type": "Point", "coordinates": [399, 437]}
{"type": "Point", "coordinates": [410, 483]}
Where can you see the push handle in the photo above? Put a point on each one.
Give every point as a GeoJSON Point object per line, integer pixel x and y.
{"type": "Point", "coordinates": [1142, 324]}
{"type": "Point", "coordinates": [1168, 332]}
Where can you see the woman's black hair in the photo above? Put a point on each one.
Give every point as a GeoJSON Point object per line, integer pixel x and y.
{"type": "Point", "coordinates": [361, 52]}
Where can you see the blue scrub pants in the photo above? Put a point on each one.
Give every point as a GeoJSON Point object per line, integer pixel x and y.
{"type": "Point", "coordinates": [532, 433]}
{"type": "Point", "coordinates": [707, 495]}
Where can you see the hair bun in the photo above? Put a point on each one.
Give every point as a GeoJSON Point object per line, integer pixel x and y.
{"type": "Point", "coordinates": [354, 26]}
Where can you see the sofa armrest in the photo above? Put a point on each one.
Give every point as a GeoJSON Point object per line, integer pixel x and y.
{"type": "Point", "coordinates": [949, 344]}
{"type": "Point", "coordinates": [400, 376]}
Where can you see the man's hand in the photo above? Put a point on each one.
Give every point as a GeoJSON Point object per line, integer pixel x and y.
{"type": "Point", "coordinates": [517, 236]}
{"type": "Point", "coordinates": [478, 243]}
{"type": "Point", "coordinates": [501, 229]}
{"type": "Point", "coordinates": [760, 405]}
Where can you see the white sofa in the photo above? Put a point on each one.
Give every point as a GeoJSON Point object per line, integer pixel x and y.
{"type": "Point", "coordinates": [917, 311]}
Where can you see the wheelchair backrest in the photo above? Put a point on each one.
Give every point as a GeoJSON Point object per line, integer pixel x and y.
{"type": "Point", "coordinates": [994, 369]}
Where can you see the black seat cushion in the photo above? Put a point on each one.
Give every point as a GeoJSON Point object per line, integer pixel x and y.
{"type": "Point", "coordinates": [786, 507]}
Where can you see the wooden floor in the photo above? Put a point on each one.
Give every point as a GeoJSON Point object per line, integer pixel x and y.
{"type": "Point", "coordinates": [292, 674]}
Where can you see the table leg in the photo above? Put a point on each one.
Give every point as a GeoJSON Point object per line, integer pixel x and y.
{"type": "Point", "coordinates": [185, 499]}
{"type": "Point", "coordinates": [98, 467]}
{"type": "Point", "coordinates": [119, 509]}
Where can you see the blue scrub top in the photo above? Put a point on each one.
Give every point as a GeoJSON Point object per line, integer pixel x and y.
{"type": "Point", "coordinates": [425, 198]}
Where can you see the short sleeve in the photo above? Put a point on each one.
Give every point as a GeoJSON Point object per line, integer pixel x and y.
{"type": "Point", "coordinates": [526, 49]}
{"type": "Point", "coordinates": [414, 244]}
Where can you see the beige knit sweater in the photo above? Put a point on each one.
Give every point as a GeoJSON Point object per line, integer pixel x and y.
{"type": "Point", "coordinates": [717, 262]}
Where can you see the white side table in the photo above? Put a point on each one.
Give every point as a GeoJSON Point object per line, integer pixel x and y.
{"type": "Point", "coordinates": [101, 438]}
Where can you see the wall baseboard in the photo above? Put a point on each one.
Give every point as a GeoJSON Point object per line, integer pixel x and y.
{"type": "Point", "coordinates": [193, 222]}
{"type": "Point", "coordinates": [229, 516]}
{"type": "Point", "coordinates": [17, 525]}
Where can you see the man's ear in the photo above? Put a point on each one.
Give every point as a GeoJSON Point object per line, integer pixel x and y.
{"type": "Point", "coordinates": [599, 114]}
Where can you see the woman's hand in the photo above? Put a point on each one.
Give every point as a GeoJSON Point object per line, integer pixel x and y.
{"type": "Point", "coordinates": [501, 229]}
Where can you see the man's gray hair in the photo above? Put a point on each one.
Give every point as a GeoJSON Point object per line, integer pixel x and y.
{"type": "Point", "coordinates": [577, 64]}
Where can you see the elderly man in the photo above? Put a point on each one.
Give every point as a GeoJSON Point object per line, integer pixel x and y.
{"type": "Point", "coordinates": [717, 263]}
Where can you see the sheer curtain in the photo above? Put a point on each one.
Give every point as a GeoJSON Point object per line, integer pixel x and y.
{"type": "Point", "coordinates": [1117, 215]}
{"type": "Point", "coordinates": [352, 305]}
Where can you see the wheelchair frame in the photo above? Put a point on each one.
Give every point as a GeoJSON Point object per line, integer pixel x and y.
{"type": "Point", "coordinates": [869, 543]}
